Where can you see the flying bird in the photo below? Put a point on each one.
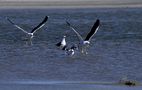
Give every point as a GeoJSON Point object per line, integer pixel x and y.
{"type": "Point", "coordinates": [35, 29]}
{"type": "Point", "coordinates": [84, 43]}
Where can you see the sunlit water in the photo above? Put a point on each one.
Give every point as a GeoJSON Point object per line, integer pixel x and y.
{"type": "Point", "coordinates": [115, 51]}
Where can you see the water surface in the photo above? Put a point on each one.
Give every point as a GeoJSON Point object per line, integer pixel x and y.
{"type": "Point", "coordinates": [115, 51]}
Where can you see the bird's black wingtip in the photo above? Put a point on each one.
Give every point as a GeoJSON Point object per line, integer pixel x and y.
{"type": "Point", "coordinates": [47, 16]}
{"type": "Point", "coordinates": [98, 20]}
{"type": "Point", "coordinates": [9, 20]}
{"type": "Point", "coordinates": [68, 23]}
{"type": "Point", "coordinates": [97, 23]}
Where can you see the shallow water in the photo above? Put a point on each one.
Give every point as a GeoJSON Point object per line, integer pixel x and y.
{"type": "Point", "coordinates": [115, 51]}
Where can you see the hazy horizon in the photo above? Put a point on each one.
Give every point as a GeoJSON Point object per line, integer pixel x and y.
{"type": "Point", "coordinates": [79, 0]}
{"type": "Point", "coordinates": [84, 3]}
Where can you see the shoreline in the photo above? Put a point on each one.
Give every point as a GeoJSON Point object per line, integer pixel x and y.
{"type": "Point", "coordinates": [64, 85]}
{"type": "Point", "coordinates": [68, 7]}
{"type": "Point", "coordinates": [46, 5]}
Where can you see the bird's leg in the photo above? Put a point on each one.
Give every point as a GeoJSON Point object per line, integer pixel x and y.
{"type": "Point", "coordinates": [25, 38]}
{"type": "Point", "coordinates": [80, 46]}
{"type": "Point", "coordinates": [30, 40]}
{"type": "Point", "coordinates": [26, 42]}
{"type": "Point", "coordinates": [84, 50]}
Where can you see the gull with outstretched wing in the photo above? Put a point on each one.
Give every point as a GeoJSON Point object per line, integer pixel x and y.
{"type": "Point", "coordinates": [40, 25]}
{"type": "Point", "coordinates": [83, 43]}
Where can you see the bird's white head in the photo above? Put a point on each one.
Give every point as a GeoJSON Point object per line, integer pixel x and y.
{"type": "Point", "coordinates": [86, 43]}
{"type": "Point", "coordinates": [31, 34]}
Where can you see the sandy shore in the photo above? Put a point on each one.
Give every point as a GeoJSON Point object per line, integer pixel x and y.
{"type": "Point", "coordinates": [65, 4]}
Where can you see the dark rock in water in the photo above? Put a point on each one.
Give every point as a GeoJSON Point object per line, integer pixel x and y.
{"type": "Point", "coordinates": [130, 83]}
{"type": "Point", "coordinates": [127, 82]}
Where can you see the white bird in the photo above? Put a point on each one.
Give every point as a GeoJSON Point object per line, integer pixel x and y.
{"type": "Point", "coordinates": [62, 44]}
{"type": "Point", "coordinates": [84, 43]}
{"type": "Point", "coordinates": [31, 34]}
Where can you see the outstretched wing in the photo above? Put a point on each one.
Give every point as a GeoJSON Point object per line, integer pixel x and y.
{"type": "Point", "coordinates": [79, 36]}
{"type": "Point", "coordinates": [16, 25]}
{"type": "Point", "coordinates": [40, 25]}
{"type": "Point", "coordinates": [93, 30]}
